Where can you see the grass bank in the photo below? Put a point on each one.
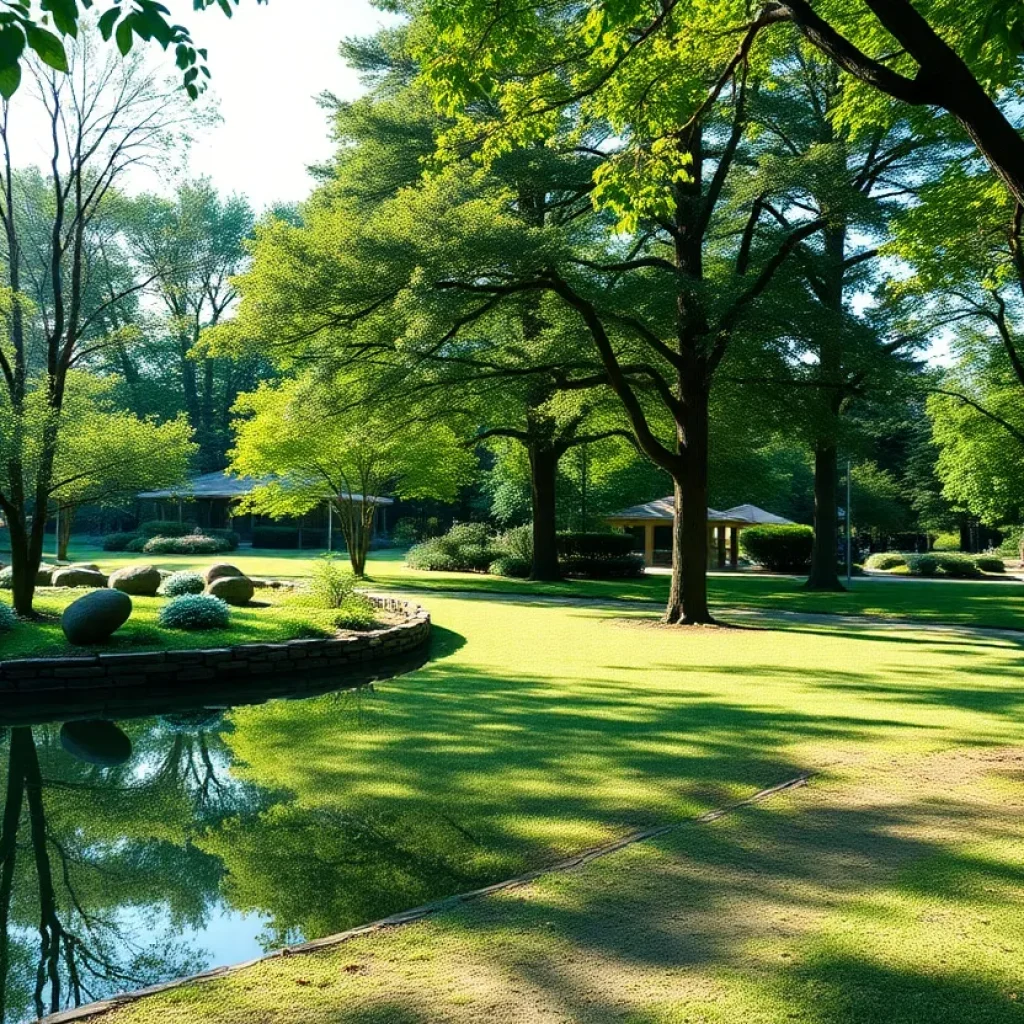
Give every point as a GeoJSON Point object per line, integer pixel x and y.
{"type": "Point", "coordinates": [890, 891]}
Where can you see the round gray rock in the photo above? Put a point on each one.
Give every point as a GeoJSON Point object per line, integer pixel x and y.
{"type": "Point", "coordinates": [78, 578]}
{"type": "Point", "coordinates": [222, 570]}
{"type": "Point", "coordinates": [137, 580]}
{"type": "Point", "coordinates": [236, 590]}
{"type": "Point", "coordinates": [96, 617]}
{"type": "Point", "coordinates": [91, 566]}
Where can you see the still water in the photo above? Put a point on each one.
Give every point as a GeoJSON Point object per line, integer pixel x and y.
{"type": "Point", "coordinates": [148, 848]}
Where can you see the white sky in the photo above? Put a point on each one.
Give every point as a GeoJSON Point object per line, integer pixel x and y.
{"type": "Point", "coordinates": [269, 62]}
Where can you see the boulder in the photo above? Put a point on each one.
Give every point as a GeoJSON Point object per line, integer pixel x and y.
{"type": "Point", "coordinates": [44, 578]}
{"type": "Point", "coordinates": [137, 580]}
{"type": "Point", "coordinates": [236, 590]}
{"type": "Point", "coordinates": [89, 566]}
{"type": "Point", "coordinates": [221, 571]}
{"type": "Point", "coordinates": [98, 742]}
{"type": "Point", "coordinates": [96, 617]}
{"type": "Point", "coordinates": [78, 578]}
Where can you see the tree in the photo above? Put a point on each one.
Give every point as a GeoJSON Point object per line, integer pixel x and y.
{"type": "Point", "coordinates": [105, 117]}
{"type": "Point", "coordinates": [105, 453]}
{"type": "Point", "coordinates": [308, 448]}
{"type": "Point", "coordinates": [189, 249]}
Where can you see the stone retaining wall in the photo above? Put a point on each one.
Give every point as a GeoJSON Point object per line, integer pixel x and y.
{"type": "Point", "coordinates": [289, 666]}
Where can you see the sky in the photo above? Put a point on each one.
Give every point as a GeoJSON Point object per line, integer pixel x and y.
{"type": "Point", "coordinates": [269, 62]}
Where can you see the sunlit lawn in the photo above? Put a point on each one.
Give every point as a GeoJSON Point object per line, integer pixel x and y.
{"type": "Point", "coordinates": [996, 604]}
{"type": "Point", "coordinates": [889, 891]}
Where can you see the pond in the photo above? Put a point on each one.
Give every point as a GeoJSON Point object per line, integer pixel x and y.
{"type": "Point", "coordinates": [154, 847]}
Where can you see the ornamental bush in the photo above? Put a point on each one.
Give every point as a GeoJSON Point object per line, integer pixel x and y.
{"type": "Point", "coordinates": [517, 543]}
{"type": "Point", "coordinates": [923, 565]}
{"type": "Point", "coordinates": [885, 560]}
{"type": "Point", "coordinates": [778, 548]}
{"type": "Point", "coordinates": [181, 583]}
{"type": "Point", "coordinates": [990, 563]}
{"type": "Point", "coordinates": [961, 567]}
{"type": "Point", "coordinates": [594, 545]}
{"type": "Point", "coordinates": [195, 612]}
{"type": "Point", "coordinates": [192, 544]}
{"type": "Point", "coordinates": [356, 612]}
{"type": "Point", "coordinates": [137, 544]}
{"type": "Point", "coordinates": [118, 541]}
{"type": "Point", "coordinates": [228, 536]}
{"type": "Point", "coordinates": [466, 547]}
{"type": "Point", "coordinates": [512, 566]}
{"type": "Point", "coordinates": [8, 620]}
{"type": "Point", "coordinates": [605, 567]}
{"type": "Point", "coordinates": [330, 585]}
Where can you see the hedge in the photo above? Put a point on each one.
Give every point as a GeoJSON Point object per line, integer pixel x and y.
{"type": "Point", "coordinates": [594, 545]}
{"type": "Point", "coordinates": [778, 548]}
{"type": "Point", "coordinates": [606, 567]}
{"type": "Point", "coordinates": [885, 561]}
{"type": "Point", "coordinates": [193, 544]}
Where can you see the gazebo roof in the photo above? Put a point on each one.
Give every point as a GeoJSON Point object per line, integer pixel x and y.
{"type": "Point", "coordinates": [222, 486]}
{"type": "Point", "coordinates": [663, 509]}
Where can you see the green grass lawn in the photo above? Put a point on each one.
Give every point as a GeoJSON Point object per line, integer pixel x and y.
{"type": "Point", "coordinates": [995, 604]}
{"type": "Point", "coordinates": [889, 891]}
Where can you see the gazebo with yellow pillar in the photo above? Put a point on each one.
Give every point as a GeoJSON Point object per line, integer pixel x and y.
{"type": "Point", "coordinates": [651, 525]}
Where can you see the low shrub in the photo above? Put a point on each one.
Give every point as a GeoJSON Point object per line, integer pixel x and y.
{"type": "Point", "coordinates": [118, 541]}
{"type": "Point", "coordinates": [606, 567]}
{"type": "Point", "coordinates": [885, 560]}
{"type": "Point", "coordinates": [181, 583]}
{"type": "Point", "coordinates": [195, 612]}
{"type": "Point", "coordinates": [192, 544]}
{"type": "Point", "coordinates": [137, 544]}
{"type": "Point", "coordinates": [990, 563]}
{"type": "Point", "coordinates": [922, 565]}
{"type": "Point", "coordinates": [594, 545]}
{"type": "Point", "coordinates": [164, 528]}
{"type": "Point", "coordinates": [411, 530]}
{"type": "Point", "coordinates": [1011, 547]}
{"type": "Point", "coordinates": [512, 566]}
{"type": "Point", "coordinates": [286, 537]}
{"type": "Point", "coordinates": [330, 585]}
{"type": "Point", "coordinates": [778, 548]}
{"type": "Point", "coordinates": [466, 547]}
{"type": "Point", "coordinates": [228, 536]}
{"type": "Point", "coordinates": [8, 620]}
{"type": "Point", "coordinates": [947, 542]}
{"type": "Point", "coordinates": [356, 612]}
{"type": "Point", "coordinates": [517, 543]}
{"type": "Point", "coordinates": [961, 567]}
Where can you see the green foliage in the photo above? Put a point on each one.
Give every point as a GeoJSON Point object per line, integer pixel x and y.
{"type": "Point", "coordinates": [923, 565]}
{"type": "Point", "coordinates": [466, 547]}
{"type": "Point", "coordinates": [409, 530]}
{"type": "Point", "coordinates": [118, 541]}
{"type": "Point", "coordinates": [195, 612]}
{"type": "Point", "coordinates": [947, 542]}
{"type": "Point", "coordinates": [8, 620]}
{"type": "Point", "coordinates": [137, 544]}
{"type": "Point", "coordinates": [512, 566]}
{"type": "Point", "coordinates": [191, 544]}
{"type": "Point", "coordinates": [230, 537]}
{"type": "Point", "coordinates": [517, 543]}
{"type": "Point", "coordinates": [594, 545]}
{"type": "Point", "coordinates": [990, 563]}
{"type": "Point", "coordinates": [356, 612]}
{"type": "Point", "coordinates": [602, 567]}
{"type": "Point", "coordinates": [181, 583]}
{"type": "Point", "coordinates": [885, 560]}
{"type": "Point", "coordinates": [330, 585]}
{"type": "Point", "coordinates": [778, 548]}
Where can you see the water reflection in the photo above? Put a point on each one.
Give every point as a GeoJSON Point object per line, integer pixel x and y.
{"type": "Point", "coordinates": [142, 850]}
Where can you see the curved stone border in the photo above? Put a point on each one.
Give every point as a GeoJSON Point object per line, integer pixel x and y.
{"type": "Point", "coordinates": [115, 678]}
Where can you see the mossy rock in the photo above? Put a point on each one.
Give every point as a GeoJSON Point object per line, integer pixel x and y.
{"type": "Point", "coordinates": [96, 617]}
{"type": "Point", "coordinates": [235, 590]}
{"type": "Point", "coordinates": [137, 580]}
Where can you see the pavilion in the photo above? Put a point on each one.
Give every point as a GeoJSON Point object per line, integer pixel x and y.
{"type": "Point", "coordinates": [651, 526]}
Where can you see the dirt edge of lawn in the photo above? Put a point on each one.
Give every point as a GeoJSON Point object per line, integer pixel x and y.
{"type": "Point", "coordinates": [426, 910]}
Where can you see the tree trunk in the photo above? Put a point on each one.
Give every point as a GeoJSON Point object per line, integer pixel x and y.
{"type": "Point", "coordinates": [24, 568]}
{"type": "Point", "coordinates": [824, 573]}
{"type": "Point", "coordinates": [688, 594]}
{"type": "Point", "coordinates": [543, 479]}
{"type": "Point", "coordinates": [67, 519]}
